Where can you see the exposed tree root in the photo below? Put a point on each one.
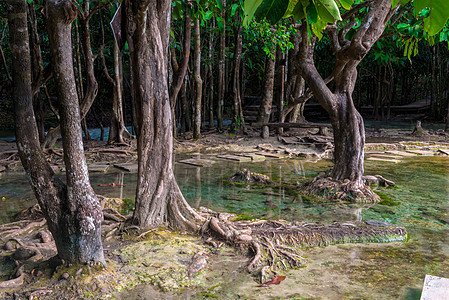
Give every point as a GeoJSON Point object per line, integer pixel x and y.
{"type": "Point", "coordinates": [15, 282]}
{"type": "Point", "coordinates": [276, 245]}
{"type": "Point", "coordinates": [377, 180]}
{"type": "Point", "coordinates": [327, 188]}
{"type": "Point", "coordinates": [246, 176]}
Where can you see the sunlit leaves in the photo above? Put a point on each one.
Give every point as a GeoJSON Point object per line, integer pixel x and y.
{"type": "Point", "coordinates": [439, 14]}
{"type": "Point", "coordinates": [330, 7]}
{"type": "Point", "coordinates": [346, 4]}
{"type": "Point", "coordinates": [272, 10]}
{"type": "Point", "coordinates": [250, 8]}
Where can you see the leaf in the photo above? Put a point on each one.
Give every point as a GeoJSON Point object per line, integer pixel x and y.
{"type": "Point", "coordinates": [234, 8]}
{"type": "Point", "coordinates": [208, 15]}
{"type": "Point", "coordinates": [249, 8]}
{"type": "Point", "coordinates": [324, 14]}
{"type": "Point", "coordinates": [298, 12]}
{"type": "Point", "coordinates": [346, 4]}
{"type": "Point", "coordinates": [331, 8]}
{"type": "Point", "coordinates": [438, 17]}
{"type": "Point", "coordinates": [312, 13]}
{"type": "Point", "coordinates": [273, 10]}
{"type": "Point", "coordinates": [276, 280]}
{"type": "Point", "coordinates": [219, 4]}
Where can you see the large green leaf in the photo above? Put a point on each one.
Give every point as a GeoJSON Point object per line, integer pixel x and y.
{"type": "Point", "coordinates": [346, 4]}
{"type": "Point", "coordinates": [298, 12]}
{"type": "Point", "coordinates": [249, 8]}
{"type": "Point", "coordinates": [439, 14]}
{"type": "Point", "coordinates": [324, 13]}
{"type": "Point", "coordinates": [273, 10]}
{"type": "Point", "coordinates": [331, 8]}
{"type": "Point", "coordinates": [438, 17]}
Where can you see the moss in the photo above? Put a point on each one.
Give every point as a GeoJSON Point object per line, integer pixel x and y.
{"type": "Point", "coordinates": [387, 200]}
{"type": "Point", "coordinates": [243, 217]}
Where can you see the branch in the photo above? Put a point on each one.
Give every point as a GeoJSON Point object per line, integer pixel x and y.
{"type": "Point", "coordinates": [95, 9]}
{"type": "Point", "coordinates": [355, 9]}
{"type": "Point", "coordinates": [342, 34]}
{"type": "Point", "coordinates": [5, 65]}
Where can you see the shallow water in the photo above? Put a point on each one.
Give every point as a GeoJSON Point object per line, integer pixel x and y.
{"type": "Point", "coordinates": [369, 271]}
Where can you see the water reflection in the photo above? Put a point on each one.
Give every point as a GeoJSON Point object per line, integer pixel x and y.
{"type": "Point", "coordinates": [421, 204]}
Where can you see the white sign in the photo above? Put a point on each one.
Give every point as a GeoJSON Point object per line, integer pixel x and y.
{"type": "Point", "coordinates": [435, 288]}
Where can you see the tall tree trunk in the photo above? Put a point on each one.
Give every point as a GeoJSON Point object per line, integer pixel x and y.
{"type": "Point", "coordinates": [117, 127]}
{"type": "Point", "coordinates": [238, 120]}
{"type": "Point", "coordinates": [198, 82]}
{"type": "Point", "coordinates": [211, 78]}
{"type": "Point", "coordinates": [159, 201]}
{"type": "Point", "coordinates": [280, 91]}
{"type": "Point", "coordinates": [180, 71]}
{"type": "Point", "coordinates": [267, 97]}
{"type": "Point", "coordinates": [221, 70]}
{"type": "Point", "coordinates": [72, 211]}
{"type": "Point", "coordinates": [37, 65]}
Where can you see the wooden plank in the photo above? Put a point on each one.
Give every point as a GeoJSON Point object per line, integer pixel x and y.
{"type": "Point", "coordinates": [98, 168]}
{"type": "Point", "coordinates": [197, 162]}
{"type": "Point", "coordinates": [130, 167]}
{"type": "Point", "coordinates": [401, 153]}
{"type": "Point", "coordinates": [234, 157]}
{"type": "Point", "coordinates": [273, 155]}
{"type": "Point", "coordinates": [421, 152]}
{"type": "Point", "coordinates": [253, 156]}
{"type": "Point", "coordinates": [380, 155]}
{"type": "Point", "coordinates": [383, 159]}
{"type": "Point", "coordinates": [291, 125]}
{"type": "Point", "coordinates": [444, 151]}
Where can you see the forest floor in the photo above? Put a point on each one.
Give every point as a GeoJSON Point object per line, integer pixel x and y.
{"type": "Point", "coordinates": [159, 263]}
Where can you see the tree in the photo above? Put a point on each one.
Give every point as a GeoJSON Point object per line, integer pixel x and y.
{"type": "Point", "coordinates": [336, 99]}
{"type": "Point", "coordinates": [72, 210]}
{"type": "Point", "coordinates": [159, 201]}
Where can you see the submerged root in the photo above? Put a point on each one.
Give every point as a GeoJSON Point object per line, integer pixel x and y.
{"type": "Point", "coordinates": [246, 176]}
{"type": "Point", "coordinates": [275, 245]}
{"type": "Point", "coordinates": [330, 189]}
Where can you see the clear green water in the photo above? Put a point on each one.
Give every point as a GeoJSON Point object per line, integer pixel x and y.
{"type": "Point", "coordinates": [368, 271]}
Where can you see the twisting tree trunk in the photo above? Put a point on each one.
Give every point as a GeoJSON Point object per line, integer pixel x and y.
{"type": "Point", "coordinates": [159, 200]}
{"type": "Point", "coordinates": [347, 123]}
{"type": "Point", "coordinates": [221, 70]}
{"type": "Point", "coordinates": [72, 211]}
{"type": "Point", "coordinates": [198, 82]}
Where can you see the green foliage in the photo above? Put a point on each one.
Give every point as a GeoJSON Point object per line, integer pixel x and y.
{"type": "Point", "coordinates": [438, 16]}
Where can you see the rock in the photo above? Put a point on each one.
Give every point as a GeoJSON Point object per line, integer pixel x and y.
{"type": "Point", "coordinates": [44, 236]}
{"type": "Point", "coordinates": [64, 276]}
{"type": "Point", "coordinates": [199, 263]}
{"type": "Point", "coordinates": [9, 246]}
{"type": "Point", "coordinates": [25, 252]}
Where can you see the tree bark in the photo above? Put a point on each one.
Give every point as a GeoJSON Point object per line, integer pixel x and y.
{"type": "Point", "coordinates": [221, 70]}
{"type": "Point", "coordinates": [159, 201]}
{"type": "Point", "coordinates": [198, 82]}
{"type": "Point", "coordinates": [238, 120]}
{"type": "Point", "coordinates": [72, 211]}
{"type": "Point", "coordinates": [37, 71]}
{"type": "Point", "coordinates": [267, 98]}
